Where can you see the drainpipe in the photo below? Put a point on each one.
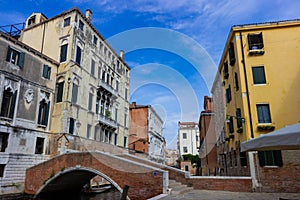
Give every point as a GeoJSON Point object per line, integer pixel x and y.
{"type": "Point", "coordinates": [250, 154]}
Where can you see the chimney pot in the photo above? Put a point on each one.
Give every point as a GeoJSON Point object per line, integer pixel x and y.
{"type": "Point", "coordinates": [122, 55]}
{"type": "Point", "coordinates": [88, 14]}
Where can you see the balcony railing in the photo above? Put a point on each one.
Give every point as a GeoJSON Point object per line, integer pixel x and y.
{"type": "Point", "coordinates": [107, 87]}
{"type": "Point", "coordinates": [107, 121]}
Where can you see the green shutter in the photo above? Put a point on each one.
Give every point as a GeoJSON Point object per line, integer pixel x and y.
{"type": "Point", "coordinates": [278, 158]}
{"type": "Point", "coordinates": [47, 114]}
{"type": "Point", "coordinates": [261, 157]}
{"type": "Point", "coordinates": [21, 59]}
{"type": "Point", "coordinates": [8, 54]}
{"type": "Point", "coordinates": [45, 70]}
{"type": "Point", "coordinates": [40, 113]}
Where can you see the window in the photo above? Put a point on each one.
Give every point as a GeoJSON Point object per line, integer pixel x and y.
{"type": "Point", "coordinates": [2, 168]}
{"type": "Point", "coordinates": [225, 70]}
{"type": "Point", "coordinates": [15, 57]}
{"type": "Point", "coordinates": [3, 141]}
{"type": "Point", "coordinates": [125, 141]}
{"type": "Point", "coordinates": [78, 55]}
{"type": "Point", "coordinates": [236, 80]}
{"type": "Point", "coordinates": [185, 150]}
{"type": "Point", "coordinates": [88, 131]}
{"type": "Point", "coordinates": [116, 139]}
{"type": "Point", "coordinates": [44, 108]}
{"type": "Point", "coordinates": [71, 125]}
{"type": "Point", "coordinates": [116, 114]}
{"type": "Point", "coordinates": [95, 40]}
{"type": "Point", "coordinates": [230, 159]}
{"type": "Point", "coordinates": [183, 135]}
{"type": "Point", "coordinates": [238, 118]}
{"type": "Point", "coordinates": [74, 92]}
{"type": "Point", "coordinates": [8, 103]}
{"type": "Point", "coordinates": [255, 41]}
{"type": "Point", "coordinates": [234, 158]}
{"type": "Point", "coordinates": [117, 86]}
{"type": "Point", "coordinates": [46, 72]}
{"type": "Point", "coordinates": [39, 145]}
{"type": "Point", "coordinates": [186, 168]}
{"type": "Point", "coordinates": [59, 91]}
{"type": "Point", "coordinates": [81, 25]}
{"type": "Point", "coordinates": [228, 94]}
{"type": "Point", "coordinates": [270, 158]}
{"type": "Point", "coordinates": [263, 113]}
{"type": "Point", "coordinates": [90, 101]}
{"type": "Point", "coordinates": [259, 75]}
{"type": "Point", "coordinates": [231, 54]}
{"type": "Point", "coordinates": [125, 120]}
{"type": "Point", "coordinates": [63, 52]}
{"type": "Point", "coordinates": [97, 133]}
{"type": "Point", "coordinates": [67, 21]}
{"type": "Point", "coordinates": [230, 125]}
{"type": "Point", "coordinates": [243, 158]}
{"type": "Point", "coordinates": [126, 94]}
{"type": "Point", "coordinates": [93, 68]}
{"type": "Point", "coordinates": [31, 20]}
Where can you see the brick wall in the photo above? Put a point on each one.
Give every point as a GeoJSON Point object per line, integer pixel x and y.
{"type": "Point", "coordinates": [143, 182]}
{"type": "Point", "coordinates": [233, 184]}
{"type": "Point", "coordinates": [285, 178]}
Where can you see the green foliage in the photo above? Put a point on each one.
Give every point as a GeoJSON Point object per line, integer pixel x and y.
{"type": "Point", "coordinates": [195, 159]}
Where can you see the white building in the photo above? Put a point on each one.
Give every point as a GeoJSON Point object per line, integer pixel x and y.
{"type": "Point", "coordinates": [188, 138]}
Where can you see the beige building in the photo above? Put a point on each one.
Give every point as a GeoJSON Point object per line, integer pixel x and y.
{"type": "Point", "coordinates": [92, 89]}
{"type": "Point", "coordinates": [27, 90]}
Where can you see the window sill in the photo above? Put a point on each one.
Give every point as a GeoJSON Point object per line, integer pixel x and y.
{"type": "Point", "coordinates": [41, 126]}
{"type": "Point", "coordinates": [269, 166]}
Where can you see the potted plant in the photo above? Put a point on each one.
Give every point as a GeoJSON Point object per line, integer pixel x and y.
{"type": "Point", "coordinates": [265, 127]}
{"type": "Point", "coordinates": [107, 114]}
{"type": "Point", "coordinates": [239, 130]}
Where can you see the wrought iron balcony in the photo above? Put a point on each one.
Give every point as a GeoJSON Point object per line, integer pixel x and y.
{"type": "Point", "coordinates": [103, 86]}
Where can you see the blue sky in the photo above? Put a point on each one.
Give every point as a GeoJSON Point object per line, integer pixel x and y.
{"type": "Point", "coordinates": [172, 46]}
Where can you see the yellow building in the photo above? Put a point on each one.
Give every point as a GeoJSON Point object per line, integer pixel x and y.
{"type": "Point", "coordinates": [92, 91]}
{"type": "Point", "coordinates": [259, 73]}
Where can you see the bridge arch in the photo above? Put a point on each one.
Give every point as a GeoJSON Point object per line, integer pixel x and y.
{"type": "Point", "coordinates": [77, 168]}
{"type": "Point", "coordinates": [72, 179]}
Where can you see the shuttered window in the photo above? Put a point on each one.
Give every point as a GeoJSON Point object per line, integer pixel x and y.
{"type": "Point", "coordinates": [15, 57]}
{"type": "Point", "coordinates": [270, 158]}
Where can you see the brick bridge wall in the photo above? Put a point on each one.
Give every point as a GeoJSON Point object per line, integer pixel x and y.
{"type": "Point", "coordinates": [234, 184]}
{"type": "Point", "coordinates": [143, 182]}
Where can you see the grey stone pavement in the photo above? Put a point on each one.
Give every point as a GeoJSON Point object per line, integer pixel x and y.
{"type": "Point", "coordinates": [224, 195]}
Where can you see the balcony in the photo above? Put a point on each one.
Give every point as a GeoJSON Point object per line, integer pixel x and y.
{"type": "Point", "coordinates": [104, 87]}
{"type": "Point", "coordinates": [107, 121]}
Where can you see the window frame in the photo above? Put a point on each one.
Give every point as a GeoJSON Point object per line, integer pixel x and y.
{"type": "Point", "coordinates": [275, 155]}
{"type": "Point", "coordinates": [46, 71]}
{"type": "Point", "coordinates": [18, 59]}
{"type": "Point", "coordinates": [259, 45]}
{"type": "Point", "coordinates": [262, 119]}
{"type": "Point", "coordinates": [184, 135]}
{"type": "Point", "coordinates": [78, 55]}
{"type": "Point", "coordinates": [259, 75]}
{"type": "Point", "coordinates": [8, 103]}
{"type": "Point", "coordinates": [63, 53]}
{"type": "Point", "coordinates": [59, 91]}
{"type": "Point", "coordinates": [43, 112]}
{"type": "Point", "coordinates": [67, 21]}
{"type": "Point", "coordinates": [81, 25]}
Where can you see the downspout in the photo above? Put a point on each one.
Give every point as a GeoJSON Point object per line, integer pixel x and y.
{"type": "Point", "coordinates": [251, 155]}
{"type": "Point", "coordinates": [43, 38]}
{"type": "Point", "coordinates": [246, 83]}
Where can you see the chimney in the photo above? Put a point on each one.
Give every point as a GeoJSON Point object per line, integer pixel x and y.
{"type": "Point", "coordinates": [133, 104]}
{"type": "Point", "coordinates": [88, 14]}
{"type": "Point", "coordinates": [122, 55]}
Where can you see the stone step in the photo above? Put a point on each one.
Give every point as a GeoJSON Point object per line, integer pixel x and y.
{"type": "Point", "coordinates": [176, 188]}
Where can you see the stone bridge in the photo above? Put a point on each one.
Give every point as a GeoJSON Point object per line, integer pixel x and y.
{"type": "Point", "coordinates": [68, 173]}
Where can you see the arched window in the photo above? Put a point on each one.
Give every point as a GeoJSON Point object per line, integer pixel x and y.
{"type": "Point", "coordinates": [44, 107]}
{"type": "Point", "coordinates": [8, 103]}
{"type": "Point", "coordinates": [60, 90]}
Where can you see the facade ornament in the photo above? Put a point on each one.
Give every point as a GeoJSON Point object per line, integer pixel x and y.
{"type": "Point", "coordinates": [9, 84]}
{"type": "Point", "coordinates": [29, 95]}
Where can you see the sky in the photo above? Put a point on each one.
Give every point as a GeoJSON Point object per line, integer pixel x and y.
{"type": "Point", "coordinates": [173, 47]}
